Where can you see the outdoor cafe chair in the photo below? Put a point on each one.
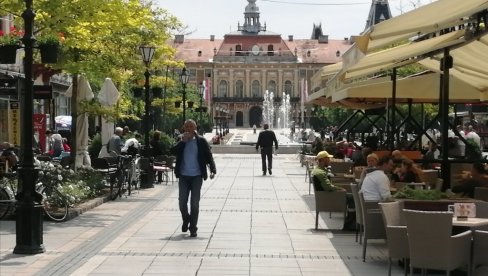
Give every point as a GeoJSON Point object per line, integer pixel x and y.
{"type": "Point", "coordinates": [359, 213]}
{"type": "Point", "coordinates": [396, 233]}
{"type": "Point", "coordinates": [160, 167]}
{"type": "Point", "coordinates": [480, 247]}
{"type": "Point", "coordinates": [431, 243]}
{"type": "Point", "coordinates": [374, 227]}
{"type": "Point", "coordinates": [325, 201]}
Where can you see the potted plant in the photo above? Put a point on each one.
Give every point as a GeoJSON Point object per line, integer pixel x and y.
{"type": "Point", "coordinates": [49, 45]}
{"type": "Point", "coordinates": [9, 43]}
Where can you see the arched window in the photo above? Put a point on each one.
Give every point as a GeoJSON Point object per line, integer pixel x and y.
{"type": "Point", "coordinates": [238, 50]}
{"type": "Point", "coordinates": [288, 88]}
{"type": "Point", "coordinates": [270, 50]}
{"type": "Point", "coordinates": [239, 89]}
{"type": "Point", "coordinates": [272, 86]}
{"type": "Point", "coordinates": [223, 88]}
{"type": "Point", "coordinates": [256, 89]}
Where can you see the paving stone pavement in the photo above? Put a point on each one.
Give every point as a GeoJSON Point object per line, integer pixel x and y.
{"type": "Point", "coordinates": [249, 224]}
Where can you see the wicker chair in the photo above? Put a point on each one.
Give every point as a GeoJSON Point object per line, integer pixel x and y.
{"type": "Point", "coordinates": [334, 201]}
{"type": "Point", "coordinates": [396, 233]}
{"type": "Point", "coordinates": [431, 243]}
{"type": "Point", "coordinates": [359, 213]}
{"type": "Point", "coordinates": [480, 247]}
{"type": "Point", "coordinates": [374, 227]}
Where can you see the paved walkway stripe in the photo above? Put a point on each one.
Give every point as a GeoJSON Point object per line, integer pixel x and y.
{"type": "Point", "coordinates": [74, 259]}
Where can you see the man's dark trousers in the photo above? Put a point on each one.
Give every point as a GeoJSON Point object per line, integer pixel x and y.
{"type": "Point", "coordinates": [267, 152]}
{"type": "Point", "coordinates": [186, 185]}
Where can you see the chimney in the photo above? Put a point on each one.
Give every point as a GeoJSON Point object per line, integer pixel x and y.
{"type": "Point", "coordinates": [179, 39]}
{"type": "Point", "coordinates": [323, 39]}
{"type": "Point", "coordinates": [290, 38]}
{"type": "Point", "coordinates": [212, 37]}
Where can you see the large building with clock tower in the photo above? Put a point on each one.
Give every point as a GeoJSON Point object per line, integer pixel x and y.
{"type": "Point", "coordinates": [239, 68]}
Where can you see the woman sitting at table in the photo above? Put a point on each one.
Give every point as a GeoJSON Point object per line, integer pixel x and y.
{"type": "Point", "coordinates": [477, 178]}
{"type": "Point", "coordinates": [408, 172]}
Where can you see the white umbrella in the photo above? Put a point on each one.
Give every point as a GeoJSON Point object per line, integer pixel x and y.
{"type": "Point", "coordinates": [109, 95]}
{"type": "Point", "coordinates": [84, 93]}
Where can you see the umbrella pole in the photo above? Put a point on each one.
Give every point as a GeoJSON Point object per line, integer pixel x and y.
{"type": "Point", "coordinates": [74, 118]}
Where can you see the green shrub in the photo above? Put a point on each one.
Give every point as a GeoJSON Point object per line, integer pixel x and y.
{"type": "Point", "coordinates": [95, 146]}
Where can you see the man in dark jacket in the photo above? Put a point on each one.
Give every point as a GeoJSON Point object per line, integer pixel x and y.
{"type": "Point", "coordinates": [266, 139]}
{"type": "Point", "coordinates": [192, 157]}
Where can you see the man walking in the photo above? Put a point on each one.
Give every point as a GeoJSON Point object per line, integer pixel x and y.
{"type": "Point", "coordinates": [265, 141]}
{"type": "Point", "coordinates": [192, 157]}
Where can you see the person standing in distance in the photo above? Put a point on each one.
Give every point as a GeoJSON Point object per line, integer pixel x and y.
{"type": "Point", "coordinates": [266, 139]}
{"type": "Point", "coordinates": [193, 154]}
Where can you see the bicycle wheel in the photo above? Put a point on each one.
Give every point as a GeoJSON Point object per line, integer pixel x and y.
{"type": "Point", "coordinates": [117, 188]}
{"type": "Point", "coordinates": [5, 201]}
{"type": "Point", "coordinates": [54, 203]}
{"type": "Point", "coordinates": [129, 181]}
{"type": "Point", "coordinates": [114, 190]}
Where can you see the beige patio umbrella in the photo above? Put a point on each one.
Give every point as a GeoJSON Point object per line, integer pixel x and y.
{"type": "Point", "coordinates": [109, 95]}
{"type": "Point", "coordinates": [84, 93]}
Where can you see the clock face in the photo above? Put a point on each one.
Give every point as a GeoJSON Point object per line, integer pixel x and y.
{"type": "Point", "coordinates": [255, 50]}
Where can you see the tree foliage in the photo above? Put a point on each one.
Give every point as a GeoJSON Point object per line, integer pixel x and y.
{"type": "Point", "coordinates": [102, 38]}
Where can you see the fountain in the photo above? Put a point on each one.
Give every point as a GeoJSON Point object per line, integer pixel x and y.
{"type": "Point", "coordinates": [268, 109]}
{"type": "Point", "coordinates": [281, 116]}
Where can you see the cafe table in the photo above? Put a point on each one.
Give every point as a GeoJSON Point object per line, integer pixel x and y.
{"type": "Point", "coordinates": [470, 222]}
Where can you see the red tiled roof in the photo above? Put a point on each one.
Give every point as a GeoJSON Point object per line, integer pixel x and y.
{"type": "Point", "coordinates": [202, 50]}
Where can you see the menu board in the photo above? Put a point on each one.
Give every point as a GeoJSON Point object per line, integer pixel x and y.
{"type": "Point", "coordinates": [465, 210]}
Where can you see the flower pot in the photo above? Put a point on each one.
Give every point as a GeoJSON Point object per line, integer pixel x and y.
{"type": "Point", "coordinates": [49, 53]}
{"type": "Point", "coordinates": [157, 92]}
{"type": "Point", "coordinates": [8, 54]}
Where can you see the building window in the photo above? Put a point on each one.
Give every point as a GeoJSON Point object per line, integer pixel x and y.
{"type": "Point", "coordinates": [238, 50]}
{"type": "Point", "coordinates": [223, 88]}
{"type": "Point", "coordinates": [289, 88]}
{"type": "Point", "coordinates": [239, 89]}
{"type": "Point", "coordinates": [272, 87]}
{"type": "Point", "coordinates": [270, 50]}
{"type": "Point", "coordinates": [256, 89]}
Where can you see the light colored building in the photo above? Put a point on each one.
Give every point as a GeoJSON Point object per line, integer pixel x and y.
{"type": "Point", "coordinates": [244, 64]}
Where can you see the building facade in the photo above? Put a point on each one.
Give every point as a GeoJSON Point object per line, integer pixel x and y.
{"type": "Point", "coordinates": [242, 66]}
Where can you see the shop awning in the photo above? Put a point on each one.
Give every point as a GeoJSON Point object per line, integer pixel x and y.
{"type": "Point", "coordinates": [420, 89]}
{"type": "Point", "coordinates": [429, 18]}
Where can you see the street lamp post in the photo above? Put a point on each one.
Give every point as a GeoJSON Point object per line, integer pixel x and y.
{"type": "Point", "coordinates": [29, 225]}
{"type": "Point", "coordinates": [147, 53]}
{"type": "Point", "coordinates": [184, 78]}
{"type": "Point", "coordinates": [201, 88]}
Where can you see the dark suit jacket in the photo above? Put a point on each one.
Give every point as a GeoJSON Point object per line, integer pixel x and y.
{"type": "Point", "coordinates": [204, 157]}
{"type": "Point", "coordinates": [266, 139]}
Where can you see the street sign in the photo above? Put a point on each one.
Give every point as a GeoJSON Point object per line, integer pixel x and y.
{"type": "Point", "coordinates": [8, 87]}
{"type": "Point", "coordinates": [43, 92]}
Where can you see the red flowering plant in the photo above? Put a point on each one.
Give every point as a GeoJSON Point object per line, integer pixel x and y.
{"type": "Point", "coordinates": [11, 38]}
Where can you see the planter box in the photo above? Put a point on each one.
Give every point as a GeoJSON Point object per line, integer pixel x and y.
{"type": "Point", "coordinates": [8, 54]}
{"type": "Point", "coordinates": [157, 92]}
{"type": "Point", "coordinates": [49, 53]}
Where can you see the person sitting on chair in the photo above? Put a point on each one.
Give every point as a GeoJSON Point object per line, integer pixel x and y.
{"type": "Point", "coordinates": [477, 178]}
{"type": "Point", "coordinates": [322, 172]}
{"type": "Point", "coordinates": [376, 184]}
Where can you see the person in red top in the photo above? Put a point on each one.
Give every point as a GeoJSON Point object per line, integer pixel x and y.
{"type": "Point", "coordinates": [66, 147]}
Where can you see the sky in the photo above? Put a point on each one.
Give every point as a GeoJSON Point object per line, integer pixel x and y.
{"type": "Point", "coordinates": [339, 18]}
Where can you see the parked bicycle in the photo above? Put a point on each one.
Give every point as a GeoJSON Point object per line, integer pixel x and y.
{"type": "Point", "coordinates": [54, 203]}
{"type": "Point", "coordinates": [7, 194]}
{"type": "Point", "coordinates": [126, 176]}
